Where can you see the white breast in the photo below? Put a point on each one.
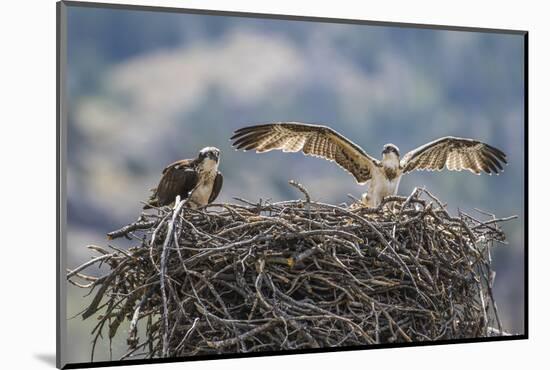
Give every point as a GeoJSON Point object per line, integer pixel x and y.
{"type": "Point", "coordinates": [201, 193]}
{"type": "Point", "coordinates": [208, 170]}
{"type": "Point", "coordinates": [380, 187]}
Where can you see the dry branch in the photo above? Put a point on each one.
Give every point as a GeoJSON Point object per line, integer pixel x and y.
{"type": "Point", "coordinates": [297, 274]}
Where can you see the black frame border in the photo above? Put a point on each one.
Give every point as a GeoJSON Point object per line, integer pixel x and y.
{"type": "Point", "coordinates": [60, 32]}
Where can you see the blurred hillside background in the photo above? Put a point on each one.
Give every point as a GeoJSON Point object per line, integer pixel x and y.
{"type": "Point", "coordinates": [146, 88]}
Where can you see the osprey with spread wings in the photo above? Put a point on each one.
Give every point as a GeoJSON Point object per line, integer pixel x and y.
{"type": "Point", "coordinates": [382, 176]}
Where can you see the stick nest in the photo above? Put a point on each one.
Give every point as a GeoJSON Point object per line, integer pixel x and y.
{"type": "Point", "coordinates": [235, 278]}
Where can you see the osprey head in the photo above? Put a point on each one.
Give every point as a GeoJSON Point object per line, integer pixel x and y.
{"type": "Point", "coordinates": [210, 153]}
{"type": "Point", "coordinates": [208, 159]}
{"type": "Point", "coordinates": [390, 148]}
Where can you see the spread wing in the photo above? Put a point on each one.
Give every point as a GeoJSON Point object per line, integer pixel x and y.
{"type": "Point", "coordinates": [216, 188]}
{"type": "Point", "coordinates": [179, 178]}
{"type": "Point", "coordinates": [456, 154]}
{"type": "Point", "coordinates": [314, 140]}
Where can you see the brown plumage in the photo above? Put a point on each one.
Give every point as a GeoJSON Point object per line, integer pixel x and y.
{"type": "Point", "coordinates": [181, 178]}
{"type": "Point", "coordinates": [456, 154]}
{"type": "Point", "coordinates": [314, 140]}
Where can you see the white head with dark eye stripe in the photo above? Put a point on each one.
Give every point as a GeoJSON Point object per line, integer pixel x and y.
{"type": "Point", "coordinates": [390, 150]}
{"type": "Point", "coordinates": [209, 158]}
{"type": "Point", "coordinates": [390, 154]}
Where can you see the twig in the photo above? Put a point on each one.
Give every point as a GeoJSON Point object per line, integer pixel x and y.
{"type": "Point", "coordinates": [301, 187]}
{"type": "Point", "coordinates": [296, 274]}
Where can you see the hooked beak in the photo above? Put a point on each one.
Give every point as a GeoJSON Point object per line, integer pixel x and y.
{"type": "Point", "coordinates": [213, 155]}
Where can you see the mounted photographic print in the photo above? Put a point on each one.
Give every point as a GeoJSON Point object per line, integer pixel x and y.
{"type": "Point", "coordinates": [236, 185]}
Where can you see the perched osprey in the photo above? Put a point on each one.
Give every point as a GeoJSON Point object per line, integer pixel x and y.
{"type": "Point", "coordinates": [197, 180]}
{"type": "Point", "coordinates": [382, 176]}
